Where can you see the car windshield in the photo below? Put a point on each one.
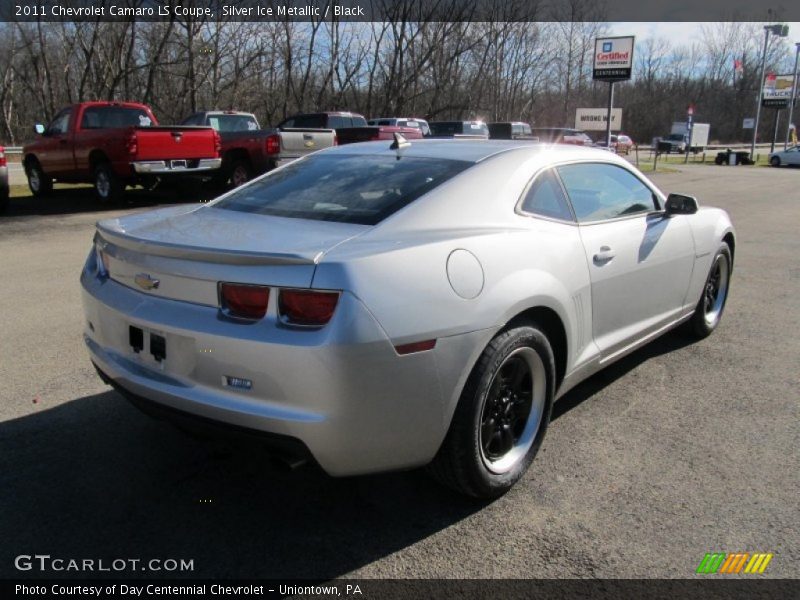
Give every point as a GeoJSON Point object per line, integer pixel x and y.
{"type": "Point", "coordinates": [228, 123]}
{"type": "Point", "coordinates": [114, 117]}
{"type": "Point", "coordinates": [360, 189]}
{"type": "Point", "coordinates": [675, 136]}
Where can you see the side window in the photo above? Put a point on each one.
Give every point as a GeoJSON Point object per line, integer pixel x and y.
{"type": "Point", "coordinates": [60, 124]}
{"type": "Point", "coordinates": [601, 191]}
{"type": "Point", "coordinates": [196, 119]}
{"type": "Point", "coordinates": [545, 197]}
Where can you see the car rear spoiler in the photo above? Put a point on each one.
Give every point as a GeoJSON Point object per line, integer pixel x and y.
{"type": "Point", "coordinates": [105, 237]}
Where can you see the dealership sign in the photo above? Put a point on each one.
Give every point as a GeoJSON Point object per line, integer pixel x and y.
{"type": "Point", "coordinates": [613, 58]}
{"type": "Point", "coordinates": [594, 119]}
{"type": "Point", "coordinates": [777, 91]}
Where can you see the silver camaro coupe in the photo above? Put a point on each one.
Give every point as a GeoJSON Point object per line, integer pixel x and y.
{"type": "Point", "coordinates": [384, 306]}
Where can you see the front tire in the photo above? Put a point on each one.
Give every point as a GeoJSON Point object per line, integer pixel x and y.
{"type": "Point", "coordinates": [775, 161]}
{"type": "Point", "coordinates": [39, 183]}
{"type": "Point", "coordinates": [108, 188]}
{"type": "Point", "coordinates": [501, 417]}
{"type": "Point", "coordinates": [709, 309]}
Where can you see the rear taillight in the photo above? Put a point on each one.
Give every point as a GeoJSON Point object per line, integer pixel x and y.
{"type": "Point", "coordinates": [310, 308]}
{"type": "Point", "coordinates": [217, 143]}
{"type": "Point", "coordinates": [132, 143]}
{"type": "Point", "coordinates": [3, 160]}
{"type": "Point", "coordinates": [273, 144]}
{"type": "Point", "coordinates": [244, 301]}
{"type": "Point", "coordinates": [335, 139]}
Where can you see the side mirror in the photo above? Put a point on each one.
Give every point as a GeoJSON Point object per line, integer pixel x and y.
{"type": "Point", "coordinates": [39, 128]}
{"type": "Point", "coordinates": [678, 204]}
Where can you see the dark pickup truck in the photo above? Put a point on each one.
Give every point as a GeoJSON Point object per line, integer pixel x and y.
{"type": "Point", "coordinates": [324, 120]}
{"type": "Point", "coordinates": [115, 144]}
{"type": "Point", "coordinates": [249, 151]}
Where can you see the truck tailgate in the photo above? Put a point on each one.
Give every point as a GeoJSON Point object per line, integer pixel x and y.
{"type": "Point", "coordinates": [297, 142]}
{"type": "Point", "coordinates": [164, 143]}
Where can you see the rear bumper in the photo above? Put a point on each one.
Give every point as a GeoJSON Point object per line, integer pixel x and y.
{"type": "Point", "coordinates": [341, 391]}
{"type": "Point", "coordinates": [164, 167]}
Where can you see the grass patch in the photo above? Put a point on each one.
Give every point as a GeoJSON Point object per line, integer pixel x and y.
{"type": "Point", "coordinates": [23, 191]}
{"type": "Point", "coordinates": [648, 168]}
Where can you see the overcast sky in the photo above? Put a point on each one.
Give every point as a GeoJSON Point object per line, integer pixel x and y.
{"type": "Point", "coordinates": [678, 33]}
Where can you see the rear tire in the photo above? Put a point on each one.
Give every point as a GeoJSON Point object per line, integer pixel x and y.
{"type": "Point", "coordinates": [3, 200]}
{"type": "Point", "coordinates": [709, 309]}
{"type": "Point", "coordinates": [241, 173]}
{"type": "Point", "coordinates": [775, 161]}
{"type": "Point", "coordinates": [501, 417]}
{"type": "Point", "coordinates": [39, 183]}
{"type": "Point", "coordinates": [108, 188]}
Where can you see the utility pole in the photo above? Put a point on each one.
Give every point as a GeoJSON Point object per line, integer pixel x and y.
{"type": "Point", "coordinates": [779, 30]}
{"type": "Point", "coordinates": [794, 96]}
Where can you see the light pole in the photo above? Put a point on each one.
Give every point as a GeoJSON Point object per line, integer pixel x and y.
{"type": "Point", "coordinates": [779, 30]}
{"type": "Point", "coordinates": [794, 96]}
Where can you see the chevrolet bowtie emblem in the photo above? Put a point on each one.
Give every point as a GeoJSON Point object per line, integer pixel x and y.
{"type": "Point", "coordinates": [309, 144]}
{"type": "Point", "coordinates": [144, 281]}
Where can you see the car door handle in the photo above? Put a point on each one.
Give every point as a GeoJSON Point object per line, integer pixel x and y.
{"type": "Point", "coordinates": [604, 255]}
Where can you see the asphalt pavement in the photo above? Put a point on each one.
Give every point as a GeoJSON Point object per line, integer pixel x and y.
{"type": "Point", "coordinates": [678, 450]}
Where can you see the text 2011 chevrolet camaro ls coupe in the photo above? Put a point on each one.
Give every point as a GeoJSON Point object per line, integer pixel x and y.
{"type": "Point", "coordinates": [382, 306]}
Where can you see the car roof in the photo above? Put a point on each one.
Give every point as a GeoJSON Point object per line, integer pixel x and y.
{"type": "Point", "coordinates": [472, 150]}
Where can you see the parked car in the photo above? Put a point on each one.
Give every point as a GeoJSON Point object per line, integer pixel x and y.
{"type": "Point", "coordinates": [459, 129]}
{"type": "Point", "coordinates": [420, 124]}
{"type": "Point", "coordinates": [512, 130]}
{"type": "Point", "coordinates": [324, 120]}
{"type": "Point", "coordinates": [562, 135]}
{"type": "Point", "coordinates": [791, 156]}
{"type": "Point", "coordinates": [113, 145]}
{"type": "Point", "coordinates": [3, 180]}
{"type": "Point", "coordinates": [378, 307]}
{"type": "Point", "coordinates": [621, 144]}
{"type": "Point", "coordinates": [350, 135]}
{"type": "Point", "coordinates": [248, 151]}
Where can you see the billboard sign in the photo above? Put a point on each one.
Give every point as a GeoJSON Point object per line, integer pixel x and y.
{"type": "Point", "coordinates": [594, 119]}
{"type": "Point", "coordinates": [613, 58]}
{"type": "Point", "coordinates": [777, 91]}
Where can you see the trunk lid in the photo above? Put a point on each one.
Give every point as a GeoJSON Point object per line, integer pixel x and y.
{"type": "Point", "coordinates": [188, 250]}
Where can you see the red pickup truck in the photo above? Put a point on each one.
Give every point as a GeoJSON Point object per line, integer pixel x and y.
{"type": "Point", "coordinates": [3, 180]}
{"type": "Point", "coordinates": [115, 144]}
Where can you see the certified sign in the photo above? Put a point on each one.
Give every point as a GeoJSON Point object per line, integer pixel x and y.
{"type": "Point", "coordinates": [777, 91]}
{"type": "Point", "coordinates": [613, 58]}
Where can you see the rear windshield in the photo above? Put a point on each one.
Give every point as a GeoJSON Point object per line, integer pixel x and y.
{"type": "Point", "coordinates": [360, 189]}
{"type": "Point", "coordinates": [228, 123]}
{"type": "Point", "coordinates": [113, 117]}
